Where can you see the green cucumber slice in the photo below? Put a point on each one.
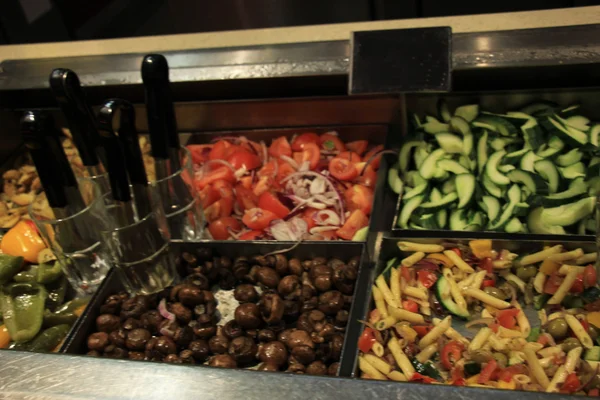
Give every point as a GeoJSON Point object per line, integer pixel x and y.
{"type": "Point", "coordinates": [549, 172]}
{"type": "Point", "coordinates": [443, 110]}
{"type": "Point", "coordinates": [514, 226]}
{"type": "Point", "coordinates": [533, 134]}
{"type": "Point", "coordinates": [465, 188]}
{"type": "Point", "coordinates": [514, 197]}
{"type": "Point", "coordinates": [576, 191]}
{"type": "Point", "coordinates": [594, 133]}
{"type": "Point", "coordinates": [539, 107]}
{"type": "Point", "coordinates": [578, 122]}
{"type": "Point", "coordinates": [434, 126]}
{"type": "Point", "coordinates": [492, 207]}
{"type": "Point", "coordinates": [568, 214]}
{"type": "Point", "coordinates": [515, 157]}
{"type": "Point", "coordinates": [450, 143]}
{"type": "Point", "coordinates": [458, 220]}
{"type": "Point", "coordinates": [573, 171]}
{"type": "Point", "coordinates": [468, 112]}
{"type": "Point", "coordinates": [434, 206]}
{"type": "Point", "coordinates": [570, 158]}
{"type": "Point", "coordinates": [491, 169]}
{"type": "Point", "coordinates": [491, 187]}
{"type": "Point", "coordinates": [459, 125]}
{"type": "Point", "coordinates": [534, 183]}
{"type": "Point", "coordinates": [482, 151]}
{"type": "Point", "coordinates": [528, 161]}
{"type": "Point", "coordinates": [394, 181]}
{"type": "Point", "coordinates": [405, 152]}
{"type": "Point", "coordinates": [449, 185]}
{"type": "Point", "coordinates": [537, 225]}
{"type": "Point", "coordinates": [428, 168]}
{"type": "Point", "coordinates": [407, 210]}
{"type": "Point", "coordinates": [416, 191]}
{"type": "Point", "coordinates": [452, 166]}
{"type": "Point", "coordinates": [442, 291]}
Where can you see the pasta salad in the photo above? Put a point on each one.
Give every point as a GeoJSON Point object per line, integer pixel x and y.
{"type": "Point", "coordinates": [476, 316]}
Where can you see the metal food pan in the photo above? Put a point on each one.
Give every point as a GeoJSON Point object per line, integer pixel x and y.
{"type": "Point", "coordinates": [376, 134]}
{"type": "Point", "coordinates": [387, 248]}
{"type": "Point", "coordinates": [76, 341]}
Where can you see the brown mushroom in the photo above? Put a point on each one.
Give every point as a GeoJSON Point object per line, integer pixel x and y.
{"type": "Point", "coordinates": [271, 307]}
{"type": "Point", "coordinates": [135, 307]}
{"type": "Point", "coordinates": [295, 267]}
{"type": "Point", "coordinates": [268, 367]}
{"type": "Point", "coordinates": [182, 313]}
{"type": "Point", "coordinates": [316, 368]}
{"type": "Point", "coordinates": [337, 342]}
{"type": "Point", "coordinates": [165, 345]}
{"type": "Point", "coordinates": [112, 351]}
{"type": "Point", "coordinates": [248, 316]}
{"type": "Point", "coordinates": [241, 268]}
{"type": "Point", "coordinates": [183, 336]}
{"type": "Point", "coordinates": [333, 369]}
{"type": "Point", "coordinates": [310, 304]}
{"type": "Point", "coordinates": [189, 295]}
{"type": "Point", "coordinates": [151, 320]}
{"type": "Point", "coordinates": [245, 293]}
{"type": "Point", "coordinates": [303, 354]}
{"type": "Point", "coordinates": [199, 280]}
{"type": "Point", "coordinates": [136, 356]}
{"type": "Point", "coordinates": [273, 352]}
{"type": "Point", "coordinates": [299, 338]}
{"type": "Point", "coordinates": [204, 327]}
{"type": "Point", "coordinates": [137, 339]}
{"type": "Point", "coordinates": [93, 353]}
{"type": "Point", "coordinates": [173, 359]}
{"type": "Point", "coordinates": [200, 350]}
{"type": "Point", "coordinates": [243, 350]}
{"type": "Point", "coordinates": [98, 341]}
{"type": "Point", "coordinates": [232, 330]}
{"type": "Point", "coordinates": [189, 262]}
{"type": "Point", "coordinates": [296, 368]}
{"type": "Point", "coordinates": [266, 335]}
{"type": "Point", "coordinates": [291, 309]}
{"type": "Point", "coordinates": [187, 357]}
{"type": "Point", "coordinates": [108, 323]}
{"type": "Point", "coordinates": [222, 361]}
{"type": "Point", "coordinates": [218, 344]}
{"type": "Point", "coordinates": [267, 277]}
{"type": "Point", "coordinates": [331, 302]}
{"type": "Point", "coordinates": [118, 337]}
{"type": "Point", "coordinates": [131, 323]}
{"type": "Point", "coordinates": [112, 305]}
{"type": "Point", "coordinates": [341, 320]}
{"type": "Point", "coordinates": [344, 277]}
{"type": "Point", "coordinates": [289, 286]}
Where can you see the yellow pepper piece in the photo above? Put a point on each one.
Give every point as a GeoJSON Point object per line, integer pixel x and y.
{"type": "Point", "coordinates": [473, 379]}
{"type": "Point", "coordinates": [481, 248]}
{"type": "Point", "coordinates": [594, 318]}
{"type": "Point", "coordinates": [4, 337]}
{"type": "Point", "coordinates": [506, 385]}
{"type": "Point", "coordinates": [23, 240]}
{"type": "Point", "coordinates": [439, 256]}
{"type": "Point", "coordinates": [549, 267]}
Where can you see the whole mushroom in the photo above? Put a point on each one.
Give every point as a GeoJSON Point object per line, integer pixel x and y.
{"type": "Point", "coordinates": [331, 302]}
{"type": "Point", "coordinates": [232, 330]}
{"type": "Point", "coordinates": [316, 368]}
{"type": "Point", "coordinates": [112, 351]}
{"type": "Point", "coordinates": [295, 267]}
{"type": "Point", "coordinates": [222, 361]}
{"type": "Point", "coordinates": [271, 307]}
{"type": "Point", "coordinates": [268, 367]}
{"type": "Point", "coordinates": [299, 338]}
{"type": "Point", "coordinates": [182, 313]}
{"type": "Point", "coordinates": [137, 339]}
{"type": "Point", "coordinates": [135, 307]}
{"type": "Point", "coordinates": [108, 323]}
{"type": "Point", "coordinates": [218, 344]}
{"type": "Point", "coordinates": [151, 320]}
{"type": "Point", "coordinates": [268, 277]}
{"type": "Point", "coordinates": [303, 354]}
{"type": "Point", "coordinates": [243, 350]}
{"type": "Point", "coordinates": [289, 286]}
{"type": "Point", "coordinates": [248, 316]}
{"type": "Point", "coordinates": [118, 337]}
{"type": "Point", "coordinates": [98, 341]}
{"type": "Point", "coordinates": [200, 350]}
{"type": "Point", "coordinates": [245, 293]}
{"type": "Point", "coordinates": [273, 352]}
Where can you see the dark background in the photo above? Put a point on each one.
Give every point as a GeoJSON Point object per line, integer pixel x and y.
{"type": "Point", "coordinates": [31, 21]}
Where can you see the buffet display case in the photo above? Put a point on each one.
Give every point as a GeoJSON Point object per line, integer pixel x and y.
{"type": "Point", "coordinates": [281, 90]}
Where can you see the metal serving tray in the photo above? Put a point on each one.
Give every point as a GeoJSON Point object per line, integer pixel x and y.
{"type": "Point", "coordinates": [376, 134]}
{"type": "Point", "coordinates": [387, 249]}
{"type": "Point", "coordinates": [77, 339]}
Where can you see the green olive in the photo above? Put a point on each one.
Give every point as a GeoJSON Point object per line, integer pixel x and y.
{"type": "Point", "coordinates": [527, 272]}
{"type": "Point", "coordinates": [558, 328]}
{"type": "Point", "coordinates": [569, 344]}
{"type": "Point", "coordinates": [593, 332]}
{"type": "Point", "coordinates": [501, 359]}
{"type": "Point", "coordinates": [494, 291]}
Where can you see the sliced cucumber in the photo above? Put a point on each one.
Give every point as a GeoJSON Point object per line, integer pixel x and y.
{"type": "Point", "coordinates": [514, 197]}
{"type": "Point", "coordinates": [459, 125]}
{"type": "Point", "coordinates": [468, 112]}
{"type": "Point", "coordinates": [394, 181]}
{"type": "Point", "coordinates": [441, 217]}
{"type": "Point", "coordinates": [428, 168]}
{"type": "Point", "coordinates": [434, 206]}
{"type": "Point", "coordinates": [539, 107]}
{"type": "Point", "coordinates": [573, 171]}
{"type": "Point", "coordinates": [405, 152]}
{"type": "Point", "coordinates": [500, 124]}
{"type": "Point", "coordinates": [515, 157]}
{"type": "Point", "coordinates": [443, 110]}
{"type": "Point", "coordinates": [492, 207]}
{"type": "Point", "coordinates": [449, 185]}
{"type": "Point", "coordinates": [571, 135]}
{"type": "Point", "coordinates": [491, 169]}
{"type": "Point", "coordinates": [452, 166]}
{"type": "Point", "coordinates": [533, 134]}
{"type": "Point", "coordinates": [500, 143]}
{"type": "Point", "coordinates": [468, 144]}
{"type": "Point", "coordinates": [465, 188]}
{"type": "Point", "coordinates": [505, 169]}
{"type": "Point", "coordinates": [442, 290]}
{"type": "Point", "coordinates": [458, 220]}
{"type": "Point", "coordinates": [413, 179]}
{"type": "Point", "coordinates": [414, 121]}
{"type": "Point", "coordinates": [416, 191]}
{"type": "Point", "coordinates": [570, 158]}
{"type": "Point", "coordinates": [434, 126]}
{"type": "Point", "coordinates": [532, 181]}
{"type": "Point", "coordinates": [549, 172]}
{"type": "Point", "coordinates": [578, 122]}
{"type": "Point", "coordinates": [537, 225]}
{"type": "Point", "coordinates": [426, 221]}
{"type": "Point", "coordinates": [568, 214]}
{"type": "Point", "coordinates": [594, 133]}
{"type": "Point", "coordinates": [528, 161]}
{"type": "Point", "coordinates": [491, 187]}
{"type": "Point", "coordinates": [475, 222]}
{"type": "Point", "coordinates": [482, 151]}
{"type": "Point", "coordinates": [421, 155]}
{"type": "Point", "coordinates": [450, 143]}
{"type": "Point", "coordinates": [408, 209]}
{"type": "Point", "coordinates": [576, 191]}
{"type": "Point", "coordinates": [569, 111]}
{"type": "Point", "coordinates": [592, 354]}
{"type": "Point", "coordinates": [514, 226]}
{"type": "Point", "coordinates": [556, 143]}
{"type": "Point", "coordinates": [522, 209]}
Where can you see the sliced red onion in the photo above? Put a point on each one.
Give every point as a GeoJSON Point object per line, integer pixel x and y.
{"type": "Point", "coordinates": [162, 309]}
{"type": "Point", "coordinates": [319, 229]}
{"type": "Point", "coordinates": [290, 161]}
{"type": "Point", "coordinates": [317, 186]}
{"type": "Point", "coordinates": [326, 200]}
{"type": "Point", "coordinates": [236, 208]}
{"type": "Point", "coordinates": [298, 226]}
{"type": "Point", "coordinates": [305, 166]}
{"type": "Point", "coordinates": [281, 231]}
{"type": "Point", "coordinates": [327, 217]}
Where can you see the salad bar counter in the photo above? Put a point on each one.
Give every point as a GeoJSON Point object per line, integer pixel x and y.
{"type": "Point", "coordinates": [411, 245]}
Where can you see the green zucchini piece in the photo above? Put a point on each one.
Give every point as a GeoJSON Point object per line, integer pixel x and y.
{"type": "Point", "coordinates": [482, 151]}
{"type": "Point", "coordinates": [450, 143]}
{"type": "Point", "coordinates": [465, 188]}
{"type": "Point", "coordinates": [568, 214]}
{"type": "Point", "coordinates": [491, 169]}
{"type": "Point", "coordinates": [429, 166]}
{"type": "Point", "coordinates": [468, 112]}
{"type": "Point", "coordinates": [537, 225]}
{"type": "Point", "coordinates": [407, 211]}
{"type": "Point", "coordinates": [549, 172]}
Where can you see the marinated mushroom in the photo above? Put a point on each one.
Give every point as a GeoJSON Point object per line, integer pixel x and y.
{"type": "Point", "coordinates": [112, 305]}
{"type": "Point", "coordinates": [222, 361]}
{"type": "Point", "coordinates": [296, 368]}
{"type": "Point", "coordinates": [245, 293]}
{"type": "Point", "coordinates": [337, 342]}
{"type": "Point", "coordinates": [173, 359]}
{"type": "Point", "coordinates": [131, 323]}
{"type": "Point", "coordinates": [190, 295]}
{"type": "Point", "coordinates": [303, 354]}
{"type": "Point", "coordinates": [268, 367]}
{"type": "Point", "coordinates": [183, 336]}
{"type": "Point", "coordinates": [98, 341]}
{"type": "Point", "coordinates": [248, 316]}
{"type": "Point", "coordinates": [267, 277]}
{"type": "Point", "coordinates": [137, 339]}
{"type": "Point", "coordinates": [243, 350]}
{"type": "Point", "coordinates": [198, 279]}
{"type": "Point", "coordinates": [232, 330]}
{"type": "Point", "coordinates": [200, 350]}
{"type": "Point", "coordinates": [118, 337]}
{"type": "Point", "coordinates": [271, 307]}
{"type": "Point", "coordinates": [112, 351]}
{"type": "Point", "coordinates": [295, 267]}
{"type": "Point", "coordinates": [151, 320]}
{"type": "Point", "coordinates": [187, 357]}
{"type": "Point", "coordinates": [289, 286]}
{"type": "Point", "coordinates": [266, 335]}
{"type": "Point", "coordinates": [204, 327]}
{"type": "Point", "coordinates": [165, 345]}
{"type": "Point", "coordinates": [331, 302]}
{"type": "Point", "coordinates": [136, 356]}
{"type": "Point", "coordinates": [273, 352]}
{"type": "Point", "coordinates": [218, 344]}
{"type": "Point", "coordinates": [182, 313]}
{"type": "Point", "coordinates": [316, 368]}
{"type": "Point", "coordinates": [108, 323]}
{"type": "Point", "coordinates": [299, 338]}
{"type": "Point", "coordinates": [333, 369]}
{"type": "Point", "coordinates": [134, 307]}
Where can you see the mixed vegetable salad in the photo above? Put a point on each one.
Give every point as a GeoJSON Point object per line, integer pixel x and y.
{"type": "Point", "coordinates": [312, 187]}
{"type": "Point", "coordinates": [535, 170]}
{"type": "Point", "coordinates": [466, 316]}
{"type": "Point", "coordinates": [33, 313]}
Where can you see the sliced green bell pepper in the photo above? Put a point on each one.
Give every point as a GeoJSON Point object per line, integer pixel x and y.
{"type": "Point", "coordinates": [48, 272]}
{"type": "Point", "coordinates": [23, 306]}
{"type": "Point", "coordinates": [29, 274]}
{"type": "Point", "coordinates": [50, 338]}
{"type": "Point", "coordinates": [9, 266]}
{"type": "Point", "coordinates": [56, 293]}
{"type": "Point", "coordinates": [65, 314]}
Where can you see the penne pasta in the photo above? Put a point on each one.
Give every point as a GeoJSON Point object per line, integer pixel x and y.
{"type": "Point", "coordinates": [521, 379]}
{"type": "Point", "coordinates": [454, 290]}
{"type": "Point", "coordinates": [566, 256]}
{"type": "Point", "coordinates": [547, 362]}
{"type": "Point", "coordinates": [559, 377]}
{"type": "Point", "coordinates": [386, 292]}
{"type": "Point", "coordinates": [539, 281]}
{"type": "Point", "coordinates": [480, 338]}
{"type": "Point", "coordinates": [378, 363]}
{"type": "Point", "coordinates": [564, 287]}
{"type": "Point", "coordinates": [416, 292]}
{"type": "Point", "coordinates": [395, 286]}
{"type": "Point", "coordinates": [436, 332]}
{"type": "Point", "coordinates": [465, 283]}
{"type": "Point", "coordinates": [579, 331]}
{"type": "Point", "coordinates": [385, 323]}
{"type": "Point", "coordinates": [379, 302]}
{"type": "Point", "coordinates": [397, 376]}
{"type": "Point", "coordinates": [497, 343]}
{"type": "Point", "coordinates": [370, 370]}
{"type": "Point", "coordinates": [452, 333]}
{"type": "Point", "coordinates": [509, 333]}
{"type": "Point", "coordinates": [403, 315]}
{"type": "Point", "coordinates": [378, 349]}
{"type": "Point", "coordinates": [502, 264]}
{"type": "Point", "coordinates": [416, 247]}
{"type": "Point", "coordinates": [573, 357]}
{"type": "Point", "coordinates": [459, 262]}
{"type": "Point", "coordinates": [550, 351]}
{"type": "Point", "coordinates": [536, 369]}
{"type": "Point", "coordinates": [588, 258]}
{"type": "Point", "coordinates": [412, 259]}
{"type": "Point", "coordinates": [401, 359]}
{"type": "Point", "coordinates": [486, 298]}
{"type": "Point", "coordinates": [478, 279]}
{"type": "Point", "coordinates": [515, 279]}
{"type": "Point", "coordinates": [427, 352]}
{"type": "Point", "coordinates": [565, 268]}
{"type": "Point", "coordinates": [540, 255]}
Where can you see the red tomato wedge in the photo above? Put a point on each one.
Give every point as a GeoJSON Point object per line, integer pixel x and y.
{"type": "Point", "coordinates": [268, 201]}
{"type": "Point", "coordinates": [245, 198]}
{"type": "Point", "coordinates": [367, 339]}
{"type": "Point", "coordinates": [252, 235]}
{"type": "Point", "coordinates": [507, 318]}
{"type": "Point", "coordinates": [342, 169]}
{"type": "Point", "coordinates": [358, 146]}
{"type": "Point", "coordinates": [222, 150]}
{"type": "Point", "coordinates": [359, 197]}
{"type": "Point", "coordinates": [350, 156]}
{"type": "Point", "coordinates": [410, 305]}
{"type": "Point", "coordinates": [263, 185]}
{"type": "Point", "coordinates": [220, 228]}
{"type": "Point", "coordinates": [589, 276]}
{"type": "Point", "coordinates": [422, 330]}
{"type": "Point", "coordinates": [301, 140]}
{"type": "Point", "coordinates": [357, 220]}
{"type": "Point", "coordinates": [577, 285]}
{"type": "Point", "coordinates": [244, 158]}
{"type": "Point", "coordinates": [451, 353]}
{"type": "Point", "coordinates": [427, 278]}
{"type": "Point", "coordinates": [199, 152]}
{"type": "Point", "coordinates": [224, 173]}
{"type": "Point", "coordinates": [311, 153]}
{"type": "Point", "coordinates": [368, 177]}
{"type": "Point", "coordinates": [280, 147]}
{"type": "Point", "coordinates": [331, 142]}
{"type": "Point", "coordinates": [486, 373]}
{"type": "Point", "coordinates": [219, 209]}
{"type": "Point", "coordinates": [258, 219]}
{"type": "Point", "coordinates": [376, 160]}
{"type": "Point", "coordinates": [571, 384]}
{"type": "Point", "coordinates": [552, 283]}
{"type": "Point", "coordinates": [208, 195]}
{"type": "Point", "coordinates": [223, 187]}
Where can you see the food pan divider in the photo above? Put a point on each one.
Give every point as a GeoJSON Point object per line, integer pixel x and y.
{"type": "Point", "coordinates": [387, 249]}
{"type": "Point", "coordinates": [77, 339]}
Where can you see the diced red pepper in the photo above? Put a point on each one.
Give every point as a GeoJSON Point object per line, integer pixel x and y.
{"type": "Point", "coordinates": [571, 384]}
{"type": "Point", "coordinates": [486, 373]}
{"type": "Point", "coordinates": [451, 353]}
{"type": "Point", "coordinates": [422, 330]}
{"type": "Point", "coordinates": [427, 278]}
{"type": "Point", "coordinates": [488, 283]}
{"type": "Point", "coordinates": [506, 318]}
{"type": "Point", "coordinates": [410, 305]}
{"type": "Point", "coordinates": [487, 265]}
{"type": "Point", "coordinates": [367, 339]}
{"type": "Point", "coordinates": [417, 377]}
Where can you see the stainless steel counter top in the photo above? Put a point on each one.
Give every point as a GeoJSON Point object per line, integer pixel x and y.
{"type": "Point", "coordinates": [55, 376]}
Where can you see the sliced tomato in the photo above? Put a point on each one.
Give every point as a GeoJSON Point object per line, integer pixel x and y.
{"type": "Point", "coordinates": [350, 156]}
{"type": "Point", "coordinates": [370, 155]}
{"type": "Point", "coordinates": [368, 177]}
{"type": "Point", "coordinates": [252, 235]}
{"type": "Point", "coordinates": [356, 221]}
{"type": "Point", "coordinates": [269, 169]}
{"type": "Point", "coordinates": [488, 283]}
{"type": "Point", "coordinates": [253, 147]}
{"type": "Point", "coordinates": [458, 376]}
{"type": "Point", "coordinates": [311, 153]}
{"type": "Point", "coordinates": [427, 278]}
{"type": "Point", "coordinates": [506, 374]}
{"type": "Point", "coordinates": [224, 173]}
{"type": "Point", "coordinates": [222, 150]}
{"type": "Point", "coordinates": [208, 195]}
{"type": "Point", "coordinates": [223, 187]}
{"type": "Point", "coordinates": [358, 146]}
{"type": "Point", "coordinates": [417, 377]}
{"type": "Point", "coordinates": [359, 197]}
{"type": "Point", "coordinates": [331, 142]}
{"type": "Point", "coordinates": [487, 264]}
{"type": "Point", "coordinates": [589, 276]}
{"type": "Point", "coordinates": [244, 158]}
{"type": "Point", "coordinates": [285, 169]}
{"type": "Point", "coordinates": [494, 327]}
{"type": "Point", "coordinates": [246, 181]}
{"type": "Point", "coordinates": [486, 373]}
{"type": "Point", "coordinates": [451, 353]}
{"type": "Point", "coordinates": [571, 384]}
{"type": "Point", "coordinates": [258, 219]}
{"type": "Point", "coordinates": [219, 209]}
{"type": "Point", "coordinates": [304, 138]}
{"type": "Point", "coordinates": [406, 273]}
{"type": "Point", "coordinates": [367, 340]}
{"type": "Point", "coordinates": [220, 228]}
{"type": "Point", "coordinates": [309, 215]}
{"type": "Point", "coordinates": [410, 305]}
{"type": "Point", "coordinates": [246, 199]}
{"type": "Point", "coordinates": [342, 169]}
{"type": "Point", "coordinates": [199, 152]}
{"type": "Point", "coordinates": [280, 147]}
{"type": "Point", "coordinates": [507, 318]}
{"type": "Point", "coordinates": [422, 330]}
{"type": "Point", "coordinates": [552, 283]}
{"type": "Point", "coordinates": [263, 185]}
{"type": "Point", "coordinates": [577, 285]}
{"type": "Point", "coordinates": [269, 201]}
